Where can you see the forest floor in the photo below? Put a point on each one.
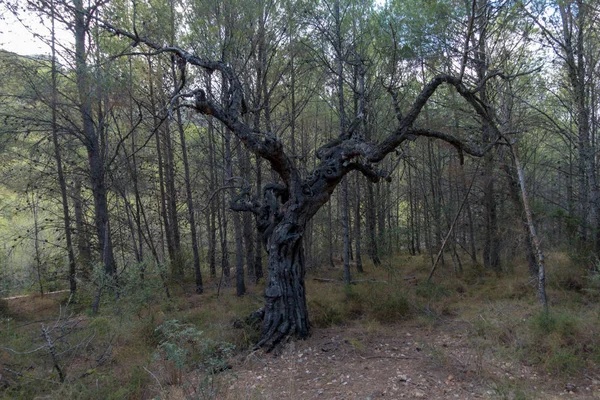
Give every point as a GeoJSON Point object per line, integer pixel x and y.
{"type": "Point", "coordinates": [404, 361]}
{"type": "Point", "coordinates": [475, 336]}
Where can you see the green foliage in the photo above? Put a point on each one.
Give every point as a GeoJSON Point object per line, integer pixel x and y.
{"type": "Point", "coordinates": [592, 287]}
{"type": "Point", "coordinates": [324, 313]}
{"type": "Point", "coordinates": [431, 290]}
{"type": "Point", "coordinates": [101, 325]}
{"type": "Point", "coordinates": [3, 308]}
{"type": "Point", "coordinates": [564, 360]}
{"type": "Point", "coordinates": [508, 390]}
{"type": "Point", "coordinates": [188, 347]}
{"type": "Point", "coordinates": [564, 324]}
{"type": "Point", "coordinates": [381, 302]}
{"type": "Point", "coordinates": [557, 342]}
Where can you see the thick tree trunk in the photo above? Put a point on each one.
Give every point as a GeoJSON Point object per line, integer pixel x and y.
{"type": "Point", "coordinates": [285, 207]}
{"type": "Point", "coordinates": [286, 313]}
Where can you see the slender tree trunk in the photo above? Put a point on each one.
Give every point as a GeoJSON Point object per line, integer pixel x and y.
{"type": "Point", "coordinates": [515, 188]}
{"type": "Point", "coordinates": [83, 241]}
{"type": "Point", "coordinates": [330, 235]}
{"type": "Point", "coordinates": [59, 169]}
{"type": "Point", "coordinates": [342, 127]}
{"type": "Point", "coordinates": [541, 268]}
{"type": "Point", "coordinates": [159, 159]}
{"type": "Point", "coordinates": [258, 268]}
{"type": "Point", "coordinates": [212, 210]}
{"type": "Point", "coordinates": [357, 228]}
{"type": "Point", "coordinates": [93, 145]}
{"type": "Point", "coordinates": [491, 248]}
{"type": "Point", "coordinates": [190, 206]}
{"type": "Point", "coordinates": [411, 212]}
{"type": "Point", "coordinates": [247, 221]}
{"type": "Point", "coordinates": [237, 228]}
{"type": "Point", "coordinates": [224, 223]}
{"type": "Point", "coordinates": [171, 200]}
{"type": "Point", "coordinates": [36, 241]}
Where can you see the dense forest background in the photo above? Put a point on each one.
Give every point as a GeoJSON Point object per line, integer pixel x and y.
{"type": "Point", "coordinates": [115, 178]}
{"type": "Point", "coordinates": [98, 168]}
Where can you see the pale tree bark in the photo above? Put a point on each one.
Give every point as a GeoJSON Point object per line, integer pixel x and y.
{"type": "Point", "coordinates": [514, 190]}
{"type": "Point", "coordinates": [541, 263]}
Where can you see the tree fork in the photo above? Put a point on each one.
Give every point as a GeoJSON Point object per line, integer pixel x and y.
{"type": "Point", "coordinates": [286, 207]}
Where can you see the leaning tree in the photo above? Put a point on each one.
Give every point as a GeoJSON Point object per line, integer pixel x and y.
{"type": "Point", "coordinates": [287, 205]}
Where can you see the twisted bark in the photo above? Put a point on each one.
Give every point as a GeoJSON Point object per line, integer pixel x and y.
{"type": "Point", "coordinates": [284, 208]}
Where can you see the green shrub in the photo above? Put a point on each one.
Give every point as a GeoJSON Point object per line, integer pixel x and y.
{"type": "Point", "coordinates": [592, 285]}
{"type": "Point", "coordinates": [3, 308]}
{"type": "Point", "coordinates": [187, 347]}
{"type": "Point", "coordinates": [564, 360]}
{"type": "Point", "coordinates": [325, 314]}
{"type": "Point", "coordinates": [545, 323]}
{"type": "Point", "coordinates": [389, 308]}
{"type": "Point", "coordinates": [381, 302]}
{"type": "Point", "coordinates": [431, 290]}
{"type": "Point", "coordinates": [557, 342]}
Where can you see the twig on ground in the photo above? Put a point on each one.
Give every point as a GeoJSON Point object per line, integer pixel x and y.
{"type": "Point", "coordinates": [154, 376]}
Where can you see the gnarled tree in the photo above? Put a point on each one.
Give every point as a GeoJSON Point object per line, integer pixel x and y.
{"type": "Point", "coordinates": [286, 206]}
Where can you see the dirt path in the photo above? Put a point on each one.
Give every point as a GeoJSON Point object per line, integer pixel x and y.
{"type": "Point", "coordinates": [406, 361]}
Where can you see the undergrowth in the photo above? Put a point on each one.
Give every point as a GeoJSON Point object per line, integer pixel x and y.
{"type": "Point", "coordinates": [151, 345]}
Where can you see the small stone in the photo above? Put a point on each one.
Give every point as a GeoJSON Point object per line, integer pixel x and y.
{"type": "Point", "coordinates": [418, 394]}
{"type": "Point", "coordinates": [570, 387]}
